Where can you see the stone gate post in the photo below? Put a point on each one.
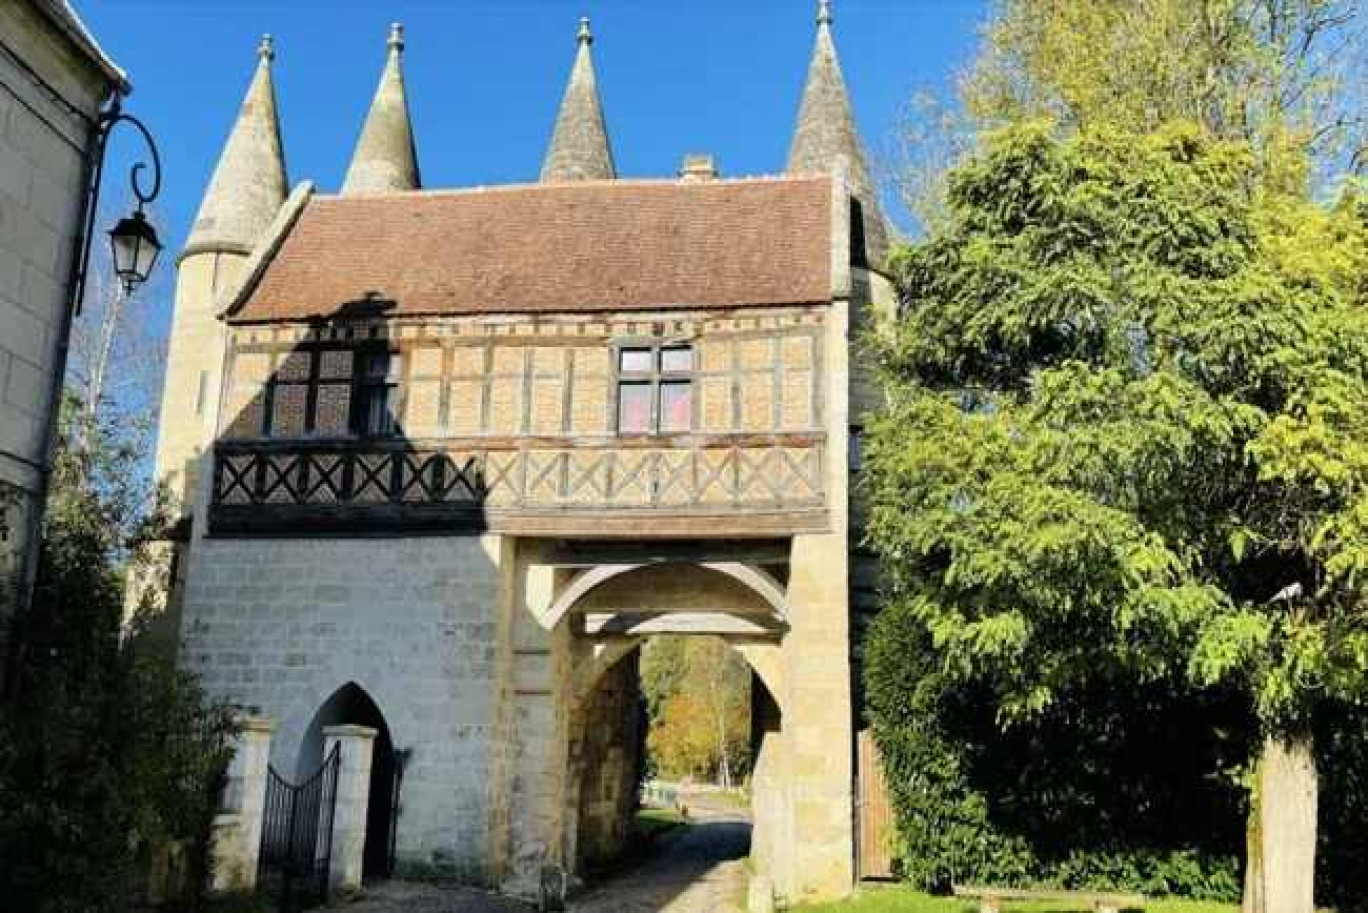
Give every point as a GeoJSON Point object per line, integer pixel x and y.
{"type": "Point", "coordinates": [237, 830]}
{"type": "Point", "coordinates": [353, 797]}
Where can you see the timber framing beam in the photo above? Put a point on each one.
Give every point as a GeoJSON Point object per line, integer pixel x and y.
{"type": "Point", "coordinates": [640, 624]}
{"type": "Point", "coordinates": [573, 555]}
{"type": "Point", "coordinates": [761, 582]}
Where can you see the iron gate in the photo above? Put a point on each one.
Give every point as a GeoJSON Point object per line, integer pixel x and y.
{"type": "Point", "coordinates": [393, 848]}
{"type": "Point", "coordinates": [296, 835]}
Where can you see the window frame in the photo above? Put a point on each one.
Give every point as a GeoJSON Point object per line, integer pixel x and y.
{"type": "Point", "coordinates": [363, 385]}
{"type": "Point", "coordinates": [655, 379]}
{"type": "Point", "coordinates": [269, 390]}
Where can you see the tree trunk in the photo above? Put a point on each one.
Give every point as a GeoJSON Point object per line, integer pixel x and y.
{"type": "Point", "coordinates": [1280, 870]}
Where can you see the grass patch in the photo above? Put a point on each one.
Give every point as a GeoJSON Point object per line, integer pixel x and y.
{"type": "Point", "coordinates": [904, 900]}
{"type": "Point", "coordinates": [652, 822]}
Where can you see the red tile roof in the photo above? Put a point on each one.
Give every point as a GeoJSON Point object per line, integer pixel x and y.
{"type": "Point", "coordinates": [592, 246]}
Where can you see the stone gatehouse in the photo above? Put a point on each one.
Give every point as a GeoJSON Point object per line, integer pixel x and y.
{"type": "Point", "coordinates": [447, 457]}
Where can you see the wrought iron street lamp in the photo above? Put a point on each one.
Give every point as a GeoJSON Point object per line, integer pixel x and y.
{"type": "Point", "coordinates": [135, 247]}
{"type": "Point", "coordinates": [133, 241]}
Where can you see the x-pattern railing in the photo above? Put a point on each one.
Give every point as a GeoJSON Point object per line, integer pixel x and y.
{"type": "Point", "coordinates": [771, 474]}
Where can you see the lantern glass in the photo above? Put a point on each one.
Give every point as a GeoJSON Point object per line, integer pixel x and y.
{"type": "Point", "coordinates": [135, 247]}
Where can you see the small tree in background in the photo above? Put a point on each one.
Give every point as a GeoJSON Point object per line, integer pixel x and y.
{"type": "Point", "coordinates": [697, 692]}
{"type": "Point", "coordinates": [1126, 442]}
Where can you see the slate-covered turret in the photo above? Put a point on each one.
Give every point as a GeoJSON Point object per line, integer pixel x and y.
{"type": "Point", "coordinates": [386, 159]}
{"type": "Point", "coordinates": [579, 149]}
{"type": "Point", "coordinates": [826, 137]}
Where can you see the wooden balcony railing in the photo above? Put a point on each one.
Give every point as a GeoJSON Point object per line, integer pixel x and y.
{"type": "Point", "coordinates": [756, 485]}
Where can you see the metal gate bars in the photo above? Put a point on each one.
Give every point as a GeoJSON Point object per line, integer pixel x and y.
{"type": "Point", "coordinates": [296, 835]}
{"type": "Point", "coordinates": [391, 856]}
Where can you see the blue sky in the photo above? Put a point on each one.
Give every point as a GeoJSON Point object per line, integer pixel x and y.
{"type": "Point", "coordinates": [485, 77]}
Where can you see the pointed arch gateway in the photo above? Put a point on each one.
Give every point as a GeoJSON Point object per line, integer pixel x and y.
{"type": "Point", "coordinates": [352, 705]}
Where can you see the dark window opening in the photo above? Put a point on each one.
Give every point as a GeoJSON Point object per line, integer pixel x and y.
{"type": "Point", "coordinates": [377, 393]}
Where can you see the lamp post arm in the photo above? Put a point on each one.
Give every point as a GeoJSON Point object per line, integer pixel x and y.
{"type": "Point", "coordinates": [108, 120]}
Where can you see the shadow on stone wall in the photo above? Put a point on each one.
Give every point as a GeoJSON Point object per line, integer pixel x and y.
{"type": "Point", "coordinates": [331, 581]}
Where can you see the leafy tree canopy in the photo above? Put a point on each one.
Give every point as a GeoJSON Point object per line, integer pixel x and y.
{"type": "Point", "coordinates": [1126, 437]}
{"type": "Point", "coordinates": [107, 751]}
{"type": "Point", "coordinates": [1283, 75]}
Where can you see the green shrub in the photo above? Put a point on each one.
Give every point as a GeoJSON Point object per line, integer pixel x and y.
{"type": "Point", "coordinates": [1066, 802]}
{"type": "Point", "coordinates": [107, 751]}
{"type": "Point", "coordinates": [1342, 761]}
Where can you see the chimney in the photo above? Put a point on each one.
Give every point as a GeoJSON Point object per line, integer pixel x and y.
{"type": "Point", "coordinates": [698, 166]}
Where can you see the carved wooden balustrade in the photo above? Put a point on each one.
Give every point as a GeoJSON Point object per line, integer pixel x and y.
{"type": "Point", "coordinates": [722, 485]}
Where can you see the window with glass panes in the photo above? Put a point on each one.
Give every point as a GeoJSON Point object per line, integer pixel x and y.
{"type": "Point", "coordinates": [377, 393]}
{"type": "Point", "coordinates": [306, 393]}
{"type": "Point", "coordinates": [655, 389]}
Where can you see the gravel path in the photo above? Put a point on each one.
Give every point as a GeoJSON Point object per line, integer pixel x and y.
{"type": "Point", "coordinates": [695, 869]}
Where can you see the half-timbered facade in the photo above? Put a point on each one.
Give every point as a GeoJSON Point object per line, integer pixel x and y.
{"type": "Point", "coordinates": [446, 457]}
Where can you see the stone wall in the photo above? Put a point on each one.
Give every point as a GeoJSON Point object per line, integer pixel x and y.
{"type": "Point", "coordinates": [194, 361]}
{"type": "Point", "coordinates": [607, 756]}
{"type": "Point", "coordinates": [279, 626]}
{"type": "Point", "coordinates": [49, 97]}
{"type": "Point", "coordinates": [768, 799]}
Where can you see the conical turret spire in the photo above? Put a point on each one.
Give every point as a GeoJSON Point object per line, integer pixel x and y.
{"type": "Point", "coordinates": [249, 183]}
{"type": "Point", "coordinates": [579, 148]}
{"type": "Point", "coordinates": [386, 159]}
{"type": "Point", "coordinates": [826, 136]}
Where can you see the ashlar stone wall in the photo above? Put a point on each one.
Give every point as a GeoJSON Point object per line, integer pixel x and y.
{"type": "Point", "coordinates": [279, 625]}
{"type": "Point", "coordinates": [606, 764]}
{"type": "Point", "coordinates": [50, 95]}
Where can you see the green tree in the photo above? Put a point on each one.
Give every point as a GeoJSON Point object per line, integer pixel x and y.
{"type": "Point", "coordinates": [662, 671]}
{"type": "Point", "coordinates": [1126, 442]}
{"type": "Point", "coordinates": [1286, 76]}
{"type": "Point", "coordinates": [107, 751]}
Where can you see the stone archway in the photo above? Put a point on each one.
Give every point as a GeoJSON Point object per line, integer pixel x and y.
{"type": "Point", "coordinates": [352, 705]}
{"type": "Point", "coordinates": [611, 612]}
{"type": "Point", "coordinates": [579, 607]}
{"type": "Point", "coordinates": [756, 581]}
{"type": "Point", "coordinates": [607, 729]}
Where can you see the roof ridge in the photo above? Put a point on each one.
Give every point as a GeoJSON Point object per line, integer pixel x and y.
{"type": "Point", "coordinates": [572, 186]}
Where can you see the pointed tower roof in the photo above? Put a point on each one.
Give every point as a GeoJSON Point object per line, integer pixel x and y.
{"type": "Point", "coordinates": [579, 148]}
{"type": "Point", "coordinates": [249, 184]}
{"type": "Point", "coordinates": [386, 159]}
{"type": "Point", "coordinates": [826, 135]}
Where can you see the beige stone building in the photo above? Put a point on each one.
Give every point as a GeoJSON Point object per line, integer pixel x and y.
{"type": "Point", "coordinates": [54, 80]}
{"type": "Point", "coordinates": [448, 456]}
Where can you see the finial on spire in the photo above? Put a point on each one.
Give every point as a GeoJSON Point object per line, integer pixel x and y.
{"type": "Point", "coordinates": [396, 36]}
{"type": "Point", "coordinates": [585, 36]}
{"type": "Point", "coordinates": [266, 49]}
{"type": "Point", "coordinates": [824, 16]}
